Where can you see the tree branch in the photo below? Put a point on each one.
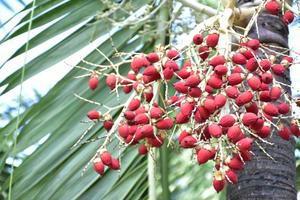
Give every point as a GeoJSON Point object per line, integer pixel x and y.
{"type": "Point", "coordinates": [199, 7]}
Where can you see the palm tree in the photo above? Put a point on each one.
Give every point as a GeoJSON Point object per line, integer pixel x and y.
{"type": "Point", "coordinates": [49, 129]}
{"type": "Point", "coordinates": [263, 177]}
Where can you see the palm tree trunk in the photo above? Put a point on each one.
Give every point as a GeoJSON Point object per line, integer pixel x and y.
{"type": "Point", "coordinates": [264, 178]}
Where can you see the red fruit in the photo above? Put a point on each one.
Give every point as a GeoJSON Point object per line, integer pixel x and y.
{"type": "Point", "coordinates": [215, 82]}
{"type": "Point", "coordinates": [131, 75]}
{"type": "Point", "coordinates": [168, 73]}
{"type": "Point", "coordinates": [253, 44]}
{"type": "Point", "coordinates": [182, 135]}
{"type": "Point", "coordinates": [275, 93]}
{"type": "Point", "coordinates": [140, 110]}
{"type": "Point", "coordinates": [249, 54]}
{"type": "Point", "coordinates": [127, 89]}
{"type": "Point", "coordinates": [254, 83]}
{"type": "Point", "coordinates": [209, 105]}
{"type": "Point", "coordinates": [141, 118]}
{"type": "Point", "coordinates": [231, 176]}
{"type": "Point", "coordinates": [156, 112]}
{"type": "Point", "coordinates": [258, 124]}
{"type": "Point", "coordinates": [146, 79]}
{"type": "Point", "coordinates": [244, 144]}
{"type": "Point", "coordinates": [237, 69]}
{"type": "Point", "coordinates": [235, 78]}
{"type": "Point", "coordinates": [264, 132]}
{"type": "Point", "coordinates": [165, 124]}
{"type": "Point", "coordinates": [181, 118]}
{"type": "Point", "coordinates": [218, 185]}
{"type": "Point", "coordinates": [150, 71]}
{"type": "Point", "coordinates": [264, 87]}
{"type": "Point", "coordinates": [227, 120]}
{"type": "Point", "coordinates": [244, 98]}
{"type": "Point", "coordinates": [233, 133]}
{"type": "Point", "coordinates": [130, 140]}
{"type": "Point", "coordinates": [249, 118]}
{"type": "Point", "coordinates": [246, 155]}
{"type": "Point", "coordinates": [93, 82]}
{"type": "Point", "coordinates": [235, 163]}
{"type": "Point", "coordinates": [173, 54]}
{"type": "Point", "coordinates": [217, 60]}
{"type": "Point", "coordinates": [273, 7]}
{"type": "Point", "coordinates": [278, 69]}
{"type": "Point", "coordinates": [106, 158]}
{"type": "Point", "coordinates": [221, 70]}
{"type": "Point", "coordinates": [268, 116]}
{"type": "Point", "coordinates": [265, 64]}
{"type": "Point", "coordinates": [215, 130]}
{"type": "Point", "coordinates": [186, 108]}
{"type": "Point", "coordinates": [93, 115]}
{"type": "Point", "coordinates": [287, 59]}
{"type": "Point", "coordinates": [173, 100]}
{"type": "Point", "coordinates": [111, 81]}
{"type": "Point", "coordinates": [294, 128]}
{"type": "Point", "coordinates": [172, 65]}
{"type": "Point", "coordinates": [267, 78]}
{"type": "Point", "coordinates": [181, 87]}
{"type": "Point", "coordinates": [284, 133]}
{"type": "Point", "coordinates": [108, 124]}
{"type": "Point", "coordinates": [138, 135]}
{"type": "Point", "coordinates": [192, 81]}
{"type": "Point", "coordinates": [143, 149]}
{"type": "Point", "coordinates": [115, 164]}
{"type": "Point", "coordinates": [265, 96]}
{"type": "Point", "coordinates": [184, 73]}
{"type": "Point", "coordinates": [147, 130]}
{"type": "Point", "coordinates": [152, 57]}
{"type": "Point", "coordinates": [270, 109]}
{"type": "Point", "coordinates": [138, 62]}
{"type": "Point", "coordinates": [232, 92]}
{"type": "Point", "coordinates": [148, 96]}
{"type": "Point", "coordinates": [288, 17]}
{"type": "Point", "coordinates": [212, 40]}
{"type": "Point", "coordinates": [220, 100]}
{"type": "Point", "coordinates": [201, 114]}
{"type": "Point", "coordinates": [209, 89]}
{"type": "Point", "coordinates": [252, 108]}
{"type": "Point", "coordinates": [198, 39]}
{"type": "Point", "coordinates": [251, 65]}
{"type": "Point", "coordinates": [239, 58]}
{"type": "Point", "coordinates": [283, 108]}
{"type": "Point", "coordinates": [132, 129]}
{"type": "Point", "coordinates": [188, 142]}
{"type": "Point", "coordinates": [134, 104]}
{"type": "Point", "coordinates": [156, 142]}
{"type": "Point", "coordinates": [203, 52]}
{"type": "Point", "coordinates": [99, 167]}
{"type": "Point", "coordinates": [195, 92]}
{"type": "Point", "coordinates": [129, 115]}
{"type": "Point", "coordinates": [123, 130]}
{"type": "Point", "coordinates": [203, 156]}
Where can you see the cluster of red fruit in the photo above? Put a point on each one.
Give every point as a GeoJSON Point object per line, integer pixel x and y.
{"type": "Point", "coordinates": [220, 106]}
{"type": "Point", "coordinates": [105, 159]}
{"type": "Point", "coordinates": [274, 7]}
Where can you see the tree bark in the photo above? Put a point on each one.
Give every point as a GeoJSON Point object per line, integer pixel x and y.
{"type": "Point", "coordinates": [264, 178]}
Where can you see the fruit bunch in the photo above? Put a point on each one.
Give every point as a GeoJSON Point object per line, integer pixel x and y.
{"type": "Point", "coordinates": [217, 105]}
{"type": "Point", "coordinates": [274, 7]}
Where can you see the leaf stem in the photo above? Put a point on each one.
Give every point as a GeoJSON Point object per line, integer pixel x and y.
{"type": "Point", "coordinates": [19, 106]}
